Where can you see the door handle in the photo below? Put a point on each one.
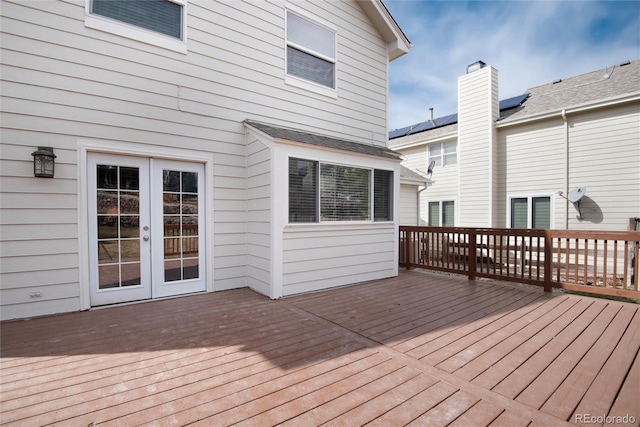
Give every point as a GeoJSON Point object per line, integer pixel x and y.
{"type": "Point", "coordinates": [145, 238]}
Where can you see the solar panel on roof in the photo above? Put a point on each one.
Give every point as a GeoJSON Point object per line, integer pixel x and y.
{"type": "Point", "coordinates": [505, 104]}
{"type": "Point", "coordinates": [513, 102]}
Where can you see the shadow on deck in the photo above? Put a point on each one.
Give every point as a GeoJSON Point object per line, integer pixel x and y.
{"type": "Point", "coordinates": [420, 348]}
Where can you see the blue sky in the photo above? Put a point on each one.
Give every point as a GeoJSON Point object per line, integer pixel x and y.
{"type": "Point", "coordinates": [530, 43]}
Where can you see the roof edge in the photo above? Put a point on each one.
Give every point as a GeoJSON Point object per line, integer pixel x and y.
{"type": "Point", "coordinates": [601, 103]}
{"type": "Point", "coordinates": [397, 42]}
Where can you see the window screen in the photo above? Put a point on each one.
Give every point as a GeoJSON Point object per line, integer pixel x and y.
{"type": "Point", "coordinates": [310, 51]}
{"type": "Point", "coordinates": [162, 16]}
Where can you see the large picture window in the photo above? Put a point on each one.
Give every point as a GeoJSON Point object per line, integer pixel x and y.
{"type": "Point", "coordinates": [324, 192]}
{"type": "Point", "coordinates": [310, 51]}
{"type": "Point", "coordinates": [531, 212]}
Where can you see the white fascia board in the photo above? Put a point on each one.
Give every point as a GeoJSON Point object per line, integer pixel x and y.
{"type": "Point", "coordinates": [426, 141]}
{"type": "Point", "coordinates": [397, 42]}
{"type": "Point", "coordinates": [602, 103]}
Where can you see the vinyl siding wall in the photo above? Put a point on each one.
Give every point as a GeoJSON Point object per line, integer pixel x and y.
{"type": "Point", "coordinates": [408, 204]}
{"type": "Point", "coordinates": [259, 217]}
{"type": "Point", "coordinates": [604, 150]}
{"type": "Point", "coordinates": [323, 256]}
{"type": "Point", "coordinates": [531, 162]}
{"type": "Point", "coordinates": [477, 110]}
{"type": "Point", "coordinates": [64, 83]}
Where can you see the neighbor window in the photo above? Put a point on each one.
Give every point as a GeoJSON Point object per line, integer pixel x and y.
{"type": "Point", "coordinates": [310, 51]}
{"type": "Point", "coordinates": [531, 212]}
{"type": "Point", "coordinates": [320, 192]}
{"type": "Point", "coordinates": [441, 213]}
{"type": "Point", "coordinates": [443, 154]}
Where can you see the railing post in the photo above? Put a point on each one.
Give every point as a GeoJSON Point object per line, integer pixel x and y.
{"type": "Point", "coordinates": [407, 249]}
{"type": "Point", "coordinates": [548, 246]}
{"type": "Point", "coordinates": [473, 254]}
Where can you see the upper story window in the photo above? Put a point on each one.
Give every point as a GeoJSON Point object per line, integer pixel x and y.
{"type": "Point", "coordinates": [324, 192]}
{"type": "Point", "coordinates": [444, 154]}
{"type": "Point", "coordinates": [530, 212]}
{"type": "Point", "coordinates": [158, 22]}
{"type": "Point", "coordinates": [311, 51]}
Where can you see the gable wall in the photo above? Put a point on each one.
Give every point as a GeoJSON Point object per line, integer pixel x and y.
{"type": "Point", "coordinates": [531, 161]}
{"type": "Point", "coordinates": [64, 83]}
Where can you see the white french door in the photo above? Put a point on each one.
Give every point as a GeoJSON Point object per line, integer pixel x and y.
{"type": "Point", "coordinates": [146, 228]}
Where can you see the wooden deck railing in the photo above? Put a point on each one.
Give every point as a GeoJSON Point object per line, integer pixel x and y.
{"type": "Point", "coordinates": [599, 262]}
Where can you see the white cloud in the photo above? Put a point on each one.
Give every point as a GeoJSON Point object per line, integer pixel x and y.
{"type": "Point", "coordinates": [530, 43]}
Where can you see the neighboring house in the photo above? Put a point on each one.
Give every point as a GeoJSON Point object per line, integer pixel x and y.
{"type": "Point", "coordinates": [515, 163]}
{"type": "Point", "coordinates": [200, 146]}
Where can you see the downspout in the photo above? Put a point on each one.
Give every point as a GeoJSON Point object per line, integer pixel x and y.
{"type": "Point", "coordinates": [418, 202]}
{"type": "Point", "coordinates": [566, 166]}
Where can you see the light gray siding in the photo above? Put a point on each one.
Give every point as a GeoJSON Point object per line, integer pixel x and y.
{"type": "Point", "coordinates": [408, 204]}
{"type": "Point", "coordinates": [64, 84]}
{"type": "Point", "coordinates": [604, 150]}
{"type": "Point", "coordinates": [477, 111]}
{"type": "Point", "coordinates": [258, 216]}
{"type": "Point", "coordinates": [327, 256]}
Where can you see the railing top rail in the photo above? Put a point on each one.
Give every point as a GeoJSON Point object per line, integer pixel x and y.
{"type": "Point", "coordinates": [569, 234]}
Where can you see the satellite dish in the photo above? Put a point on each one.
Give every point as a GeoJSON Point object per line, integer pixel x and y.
{"type": "Point", "coordinates": [576, 194]}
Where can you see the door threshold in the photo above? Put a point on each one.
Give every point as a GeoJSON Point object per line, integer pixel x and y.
{"type": "Point", "coordinates": [142, 301]}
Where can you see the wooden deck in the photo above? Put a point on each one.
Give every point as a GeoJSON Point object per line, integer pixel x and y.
{"type": "Point", "coordinates": [420, 349]}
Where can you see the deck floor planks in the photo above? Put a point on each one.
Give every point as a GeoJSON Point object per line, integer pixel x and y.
{"type": "Point", "coordinates": [442, 335]}
{"type": "Point", "coordinates": [553, 372]}
{"type": "Point", "coordinates": [138, 372]}
{"type": "Point", "coordinates": [491, 348]}
{"type": "Point", "coordinates": [238, 357]}
{"type": "Point", "coordinates": [445, 346]}
{"type": "Point", "coordinates": [514, 372]}
{"type": "Point", "coordinates": [603, 391]}
{"type": "Point", "coordinates": [482, 413]}
{"type": "Point", "coordinates": [448, 315]}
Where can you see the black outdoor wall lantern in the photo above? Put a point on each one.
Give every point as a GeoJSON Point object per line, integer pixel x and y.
{"type": "Point", "coordinates": [43, 162]}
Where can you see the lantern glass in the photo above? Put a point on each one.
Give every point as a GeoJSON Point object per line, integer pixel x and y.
{"type": "Point", "coordinates": [43, 162]}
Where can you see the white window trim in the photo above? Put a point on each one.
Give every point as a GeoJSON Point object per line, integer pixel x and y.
{"type": "Point", "coordinates": [371, 195]}
{"type": "Point", "coordinates": [298, 81]}
{"type": "Point", "coordinates": [442, 154]}
{"type": "Point", "coordinates": [113, 26]}
{"type": "Point", "coordinates": [529, 197]}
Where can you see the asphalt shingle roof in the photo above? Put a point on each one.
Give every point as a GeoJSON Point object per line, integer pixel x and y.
{"type": "Point", "coordinates": [322, 140]}
{"type": "Point", "coordinates": [623, 78]}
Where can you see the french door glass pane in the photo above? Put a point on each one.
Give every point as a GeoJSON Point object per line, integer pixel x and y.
{"type": "Point", "coordinates": [118, 220]}
{"type": "Point", "coordinates": [180, 219]}
{"type": "Point", "coordinates": [434, 214]}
